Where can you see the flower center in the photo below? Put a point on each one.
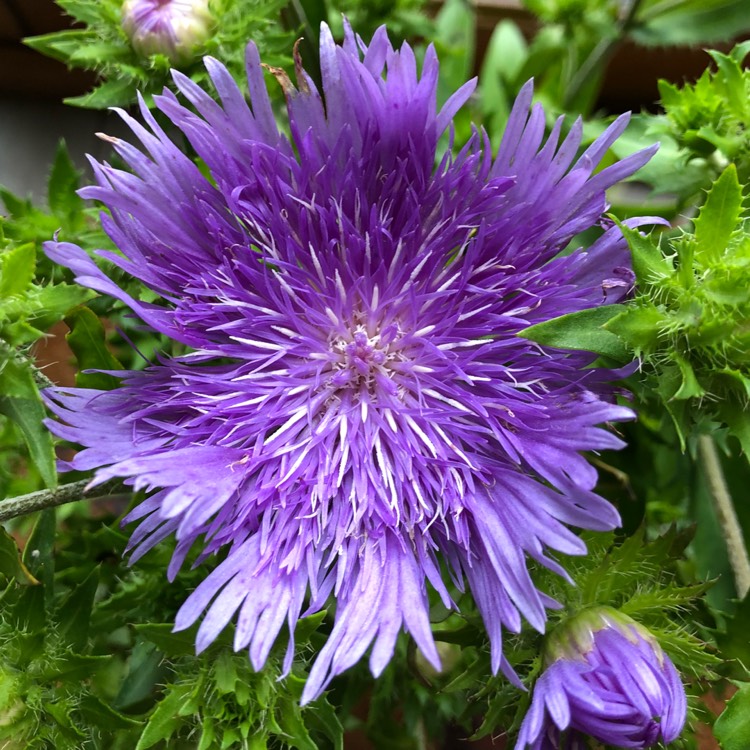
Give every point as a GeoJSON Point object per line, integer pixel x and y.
{"type": "Point", "coordinates": [360, 360]}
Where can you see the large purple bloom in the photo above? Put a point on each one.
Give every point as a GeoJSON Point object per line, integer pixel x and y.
{"type": "Point", "coordinates": [608, 679]}
{"type": "Point", "coordinates": [358, 415]}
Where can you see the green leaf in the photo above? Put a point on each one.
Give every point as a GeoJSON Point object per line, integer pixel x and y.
{"type": "Point", "coordinates": [321, 715]}
{"type": "Point", "coordinates": [98, 713]}
{"type": "Point", "coordinates": [290, 720]}
{"type": "Point", "coordinates": [74, 613]}
{"type": "Point", "coordinates": [691, 22]}
{"type": "Point", "coordinates": [718, 217]}
{"type": "Point", "coordinates": [145, 671]}
{"type": "Point", "coordinates": [172, 644]}
{"type": "Point", "coordinates": [17, 268]}
{"type": "Point", "coordinates": [690, 387]}
{"type": "Point", "coordinates": [733, 642]}
{"type": "Point", "coordinates": [454, 38]}
{"type": "Point", "coordinates": [87, 340]}
{"type": "Point", "coordinates": [639, 327]}
{"type": "Point", "coordinates": [11, 565]}
{"type": "Point", "coordinates": [116, 92]}
{"type": "Point", "coordinates": [225, 673]}
{"type": "Point", "coordinates": [72, 667]}
{"type": "Point", "coordinates": [165, 720]}
{"type": "Point", "coordinates": [649, 264]}
{"type": "Point", "coordinates": [582, 331]}
{"type": "Point", "coordinates": [732, 728]}
{"type": "Point", "coordinates": [21, 403]}
{"type": "Point", "coordinates": [17, 207]}
{"type": "Point", "coordinates": [64, 180]}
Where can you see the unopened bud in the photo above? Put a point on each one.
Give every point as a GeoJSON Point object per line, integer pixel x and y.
{"type": "Point", "coordinates": [174, 28]}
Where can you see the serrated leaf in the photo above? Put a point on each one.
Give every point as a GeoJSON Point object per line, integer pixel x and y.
{"type": "Point", "coordinates": [323, 716]}
{"type": "Point", "coordinates": [164, 720]}
{"type": "Point", "coordinates": [116, 92]}
{"type": "Point", "coordinates": [307, 626]}
{"type": "Point", "coordinates": [718, 218]}
{"type": "Point", "coordinates": [16, 207]}
{"type": "Point", "coordinates": [21, 403]}
{"type": "Point", "coordinates": [11, 564]}
{"type": "Point", "coordinates": [17, 268]}
{"type": "Point", "coordinates": [295, 730]}
{"type": "Point", "coordinates": [98, 713]}
{"type": "Point", "coordinates": [60, 44]}
{"type": "Point", "coordinates": [64, 180]}
{"type": "Point", "coordinates": [732, 728]}
{"type": "Point", "coordinates": [582, 331]}
{"type": "Point", "coordinates": [54, 301]}
{"type": "Point", "coordinates": [738, 421]}
{"type": "Point", "coordinates": [88, 342]}
{"type": "Point", "coordinates": [74, 613]}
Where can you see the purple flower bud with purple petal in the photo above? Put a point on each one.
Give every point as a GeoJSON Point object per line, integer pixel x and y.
{"type": "Point", "coordinates": [174, 28]}
{"type": "Point", "coordinates": [357, 417]}
{"type": "Point", "coordinates": [607, 678]}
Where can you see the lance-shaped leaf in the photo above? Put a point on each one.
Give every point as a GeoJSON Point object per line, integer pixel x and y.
{"type": "Point", "coordinates": [582, 330]}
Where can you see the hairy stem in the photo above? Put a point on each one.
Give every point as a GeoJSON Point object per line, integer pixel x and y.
{"type": "Point", "coordinates": [66, 493]}
{"type": "Point", "coordinates": [725, 513]}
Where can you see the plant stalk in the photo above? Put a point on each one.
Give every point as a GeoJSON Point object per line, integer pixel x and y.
{"type": "Point", "coordinates": [66, 493]}
{"type": "Point", "coordinates": [726, 515]}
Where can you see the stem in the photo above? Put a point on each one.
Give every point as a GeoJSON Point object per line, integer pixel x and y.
{"type": "Point", "coordinates": [725, 513]}
{"type": "Point", "coordinates": [600, 54]}
{"type": "Point", "coordinates": [66, 493]}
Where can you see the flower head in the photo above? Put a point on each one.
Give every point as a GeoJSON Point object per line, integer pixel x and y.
{"type": "Point", "coordinates": [357, 409]}
{"type": "Point", "coordinates": [174, 28]}
{"type": "Point", "coordinates": [607, 678]}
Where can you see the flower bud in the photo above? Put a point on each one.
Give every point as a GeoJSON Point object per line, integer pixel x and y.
{"type": "Point", "coordinates": [607, 678]}
{"type": "Point", "coordinates": [175, 28]}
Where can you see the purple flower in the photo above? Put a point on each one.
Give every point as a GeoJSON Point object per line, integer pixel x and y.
{"type": "Point", "coordinates": [357, 416]}
{"type": "Point", "coordinates": [607, 678]}
{"type": "Point", "coordinates": [174, 28]}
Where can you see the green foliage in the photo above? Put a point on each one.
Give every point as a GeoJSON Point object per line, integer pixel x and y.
{"type": "Point", "coordinates": [688, 322]}
{"type": "Point", "coordinates": [404, 18]}
{"type": "Point", "coordinates": [710, 120]}
{"type": "Point", "coordinates": [27, 310]}
{"type": "Point", "coordinates": [85, 662]}
{"type": "Point", "coordinates": [102, 45]}
{"type": "Point", "coordinates": [732, 728]}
